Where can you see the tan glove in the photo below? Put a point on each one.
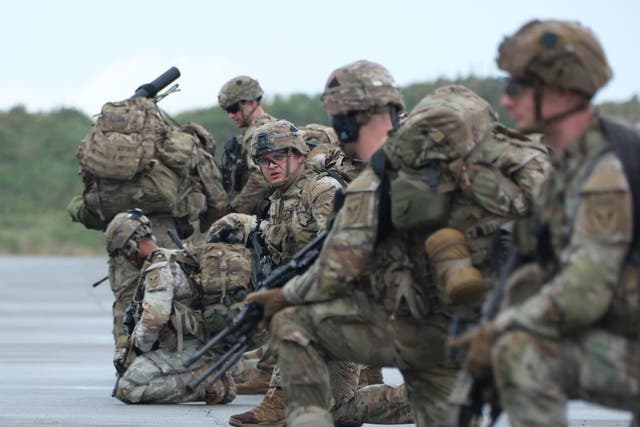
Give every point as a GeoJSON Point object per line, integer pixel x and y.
{"type": "Point", "coordinates": [480, 341]}
{"type": "Point", "coordinates": [273, 301]}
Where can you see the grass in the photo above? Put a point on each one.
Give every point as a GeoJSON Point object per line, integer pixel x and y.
{"type": "Point", "coordinates": [47, 233]}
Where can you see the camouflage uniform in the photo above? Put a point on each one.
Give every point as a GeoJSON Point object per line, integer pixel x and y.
{"type": "Point", "coordinates": [577, 336]}
{"type": "Point", "coordinates": [123, 277]}
{"type": "Point", "coordinates": [167, 333]}
{"type": "Point", "coordinates": [371, 297]}
{"type": "Point", "coordinates": [244, 182]}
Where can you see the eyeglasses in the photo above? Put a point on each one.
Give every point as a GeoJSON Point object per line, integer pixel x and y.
{"type": "Point", "coordinates": [274, 158]}
{"type": "Point", "coordinates": [234, 108]}
{"type": "Point", "coordinates": [514, 87]}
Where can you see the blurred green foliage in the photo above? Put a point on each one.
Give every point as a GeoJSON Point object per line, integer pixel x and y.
{"type": "Point", "coordinates": [38, 168]}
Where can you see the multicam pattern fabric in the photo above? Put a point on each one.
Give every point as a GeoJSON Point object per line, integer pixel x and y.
{"type": "Point", "coordinates": [278, 135]}
{"type": "Point", "coordinates": [240, 88]}
{"type": "Point", "coordinates": [380, 304]}
{"type": "Point", "coordinates": [299, 214]}
{"type": "Point", "coordinates": [360, 86]}
{"type": "Point", "coordinates": [562, 54]}
{"type": "Point", "coordinates": [123, 277]}
{"type": "Point", "coordinates": [578, 336]}
{"type": "Point", "coordinates": [158, 374]}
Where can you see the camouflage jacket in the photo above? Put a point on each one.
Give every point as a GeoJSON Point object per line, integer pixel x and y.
{"type": "Point", "coordinates": [167, 296]}
{"type": "Point", "coordinates": [400, 278]}
{"type": "Point", "coordinates": [299, 214]}
{"type": "Point", "coordinates": [249, 187]}
{"type": "Point", "coordinates": [587, 206]}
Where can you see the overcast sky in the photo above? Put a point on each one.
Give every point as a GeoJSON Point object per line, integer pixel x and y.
{"type": "Point", "coordinates": [83, 53]}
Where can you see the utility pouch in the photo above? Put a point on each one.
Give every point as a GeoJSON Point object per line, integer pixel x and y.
{"type": "Point", "coordinates": [415, 205]}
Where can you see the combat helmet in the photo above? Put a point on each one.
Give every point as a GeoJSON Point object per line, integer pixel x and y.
{"type": "Point", "coordinates": [241, 88]}
{"type": "Point", "coordinates": [123, 231]}
{"type": "Point", "coordinates": [361, 86]}
{"type": "Point", "coordinates": [562, 54]}
{"type": "Point", "coordinates": [445, 126]}
{"type": "Point", "coordinates": [278, 135]}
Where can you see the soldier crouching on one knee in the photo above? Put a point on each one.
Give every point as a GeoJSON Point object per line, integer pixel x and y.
{"type": "Point", "coordinates": [575, 335]}
{"type": "Point", "coordinates": [163, 329]}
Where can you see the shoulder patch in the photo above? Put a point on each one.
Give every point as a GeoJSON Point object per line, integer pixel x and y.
{"type": "Point", "coordinates": [359, 210]}
{"type": "Point", "coordinates": [607, 215]}
{"type": "Point", "coordinates": [152, 278]}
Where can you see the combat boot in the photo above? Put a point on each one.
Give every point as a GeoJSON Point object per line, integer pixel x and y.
{"type": "Point", "coordinates": [271, 412]}
{"type": "Point", "coordinates": [257, 382]}
{"type": "Point", "coordinates": [222, 391]}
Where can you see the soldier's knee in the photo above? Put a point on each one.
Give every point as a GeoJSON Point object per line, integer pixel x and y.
{"type": "Point", "coordinates": [288, 325]}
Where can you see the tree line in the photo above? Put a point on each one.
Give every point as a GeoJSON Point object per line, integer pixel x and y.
{"type": "Point", "coordinates": [39, 171]}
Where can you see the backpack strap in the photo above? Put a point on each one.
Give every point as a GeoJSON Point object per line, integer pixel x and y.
{"type": "Point", "coordinates": [335, 175]}
{"type": "Point", "coordinates": [626, 144]}
{"type": "Point", "coordinates": [379, 163]}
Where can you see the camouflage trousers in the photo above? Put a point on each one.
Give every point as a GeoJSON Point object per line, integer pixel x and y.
{"type": "Point", "coordinates": [159, 376]}
{"type": "Point", "coordinates": [537, 376]}
{"type": "Point", "coordinates": [375, 404]}
{"type": "Point", "coordinates": [305, 338]}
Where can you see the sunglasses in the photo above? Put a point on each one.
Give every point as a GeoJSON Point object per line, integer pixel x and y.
{"type": "Point", "coordinates": [274, 158]}
{"type": "Point", "coordinates": [514, 87]}
{"type": "Point", "coordinates": [232, 109]}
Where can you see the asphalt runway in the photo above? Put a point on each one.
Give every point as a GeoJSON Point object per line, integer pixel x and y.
{"type": "Point", "coordinates": [56, 348]}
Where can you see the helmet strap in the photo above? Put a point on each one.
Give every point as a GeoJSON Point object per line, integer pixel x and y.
{"type": "Point", "coordinates": [245, 118]}
{"type": "Point", "coordinates": [541, 122]}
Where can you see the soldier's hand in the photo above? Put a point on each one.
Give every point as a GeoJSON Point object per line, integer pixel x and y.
{"type": "Point", "coordinates": [480, 341]}
{"type": "Point", "coordinates": [273, 301]}
{"type": "Point", "coordinates": [231, 228]}
{"type": "Point", "coordinates": [120, 359]}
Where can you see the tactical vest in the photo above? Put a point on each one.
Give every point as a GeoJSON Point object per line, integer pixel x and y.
{"type": "Point", "coordinates": [291, 223]}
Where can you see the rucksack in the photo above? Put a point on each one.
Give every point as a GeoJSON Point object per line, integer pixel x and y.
{"type": "Point", "coordinates": [132, 157]}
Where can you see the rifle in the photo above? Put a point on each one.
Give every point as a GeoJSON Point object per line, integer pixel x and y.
{"type": "Point", "coordinates": [231, 156]}
{"type": "Point", "coordinates": [261, 262]}
{"type": "Point", "coordinates": [238, 336]}
{"type": "Point", "coordinates": [470, 394]}
{"type": "Point", "coordinates": [150, 90]}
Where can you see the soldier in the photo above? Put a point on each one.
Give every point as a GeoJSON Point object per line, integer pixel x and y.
{"type": "Point", "coordinates": [178, 185]}
{"type": "Point", "coordinates": [299, 209]}
{"type": "Point", "coordinates": [576, 335]}
{"type": "Point", "coordinates": [241, 98]}
{"type": "Point", "coordinates": [371, 297]}
{"type": "Point", "coordinates": [167, 330]}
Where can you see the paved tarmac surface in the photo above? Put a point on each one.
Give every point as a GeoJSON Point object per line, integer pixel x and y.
{"type": "Point", "coordinates": [56, 348]}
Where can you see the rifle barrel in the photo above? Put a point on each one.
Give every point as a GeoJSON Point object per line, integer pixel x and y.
{"type": "Point", "coordinates": [236, 349]}
{"type": "Point", "coordinates": [209, 345]}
